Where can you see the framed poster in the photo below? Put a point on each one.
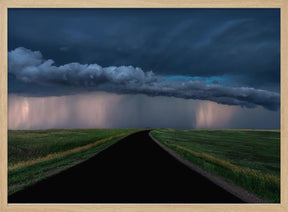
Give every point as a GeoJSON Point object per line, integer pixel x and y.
{"type": "Point", "coordinates": [143, 106]}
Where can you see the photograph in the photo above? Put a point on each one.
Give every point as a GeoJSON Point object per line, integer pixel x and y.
{"type": "Point", "coordinates": [143, 106]}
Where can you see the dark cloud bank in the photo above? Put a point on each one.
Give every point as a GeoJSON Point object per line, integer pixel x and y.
{"type": "Point", "coordinates": [242, 43]}
{"type": "Point", "coordinates": [30, 67]}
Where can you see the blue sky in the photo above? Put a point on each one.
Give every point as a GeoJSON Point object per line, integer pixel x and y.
{"type": "Point", "coordinates": [230, 57]}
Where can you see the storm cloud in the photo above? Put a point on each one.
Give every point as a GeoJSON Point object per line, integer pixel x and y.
{"type": "Point", "coordinates": [30, 67]}
{"type": "Point", "coordinates": [242, 43]}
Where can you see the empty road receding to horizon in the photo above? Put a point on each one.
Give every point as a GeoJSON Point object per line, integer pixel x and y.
{"type": "Point", "coordinates": [134, 170]}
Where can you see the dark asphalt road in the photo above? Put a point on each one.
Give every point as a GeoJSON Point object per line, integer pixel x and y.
{"type": "Point", "coordinates": [134, 170]}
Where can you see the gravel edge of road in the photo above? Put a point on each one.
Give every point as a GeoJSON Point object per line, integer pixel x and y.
{"type": "Point", "coordinates": [233, 189]}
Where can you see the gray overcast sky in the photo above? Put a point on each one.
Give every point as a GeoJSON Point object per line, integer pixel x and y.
{"type": "Point", "coordinates": [206, 58]}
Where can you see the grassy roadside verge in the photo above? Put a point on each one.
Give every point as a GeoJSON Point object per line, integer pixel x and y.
{"type": "Point", "coordinates": [249, 159]}
{"type": "Point", "coordinates": [29, 171]}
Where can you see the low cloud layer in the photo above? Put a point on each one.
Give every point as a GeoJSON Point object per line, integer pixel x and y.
{"type": "Point", "coordinates": [242, 43]}
{"type": "Point", "coordinates": [30, 67]}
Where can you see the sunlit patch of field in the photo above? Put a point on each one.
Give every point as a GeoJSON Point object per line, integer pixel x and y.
{"type": "Point", "coordinates": [36, 154]}
{"type": "Point", "coordinates": [247, 158]}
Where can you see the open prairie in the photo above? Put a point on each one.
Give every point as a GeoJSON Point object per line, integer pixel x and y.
{"type": "Point", "coordinates": [247, 158]}
{"type": "Point", "coordinates": [36, 154]}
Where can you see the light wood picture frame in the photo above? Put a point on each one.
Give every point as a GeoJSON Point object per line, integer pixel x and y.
{"type": "Point", "coordinates": [5, 4]}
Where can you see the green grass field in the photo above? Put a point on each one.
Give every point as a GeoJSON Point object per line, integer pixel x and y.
{"type": "Point", "coordinates": [247, 158]}
{"type": "Point", "coordinates": [36, 154]}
